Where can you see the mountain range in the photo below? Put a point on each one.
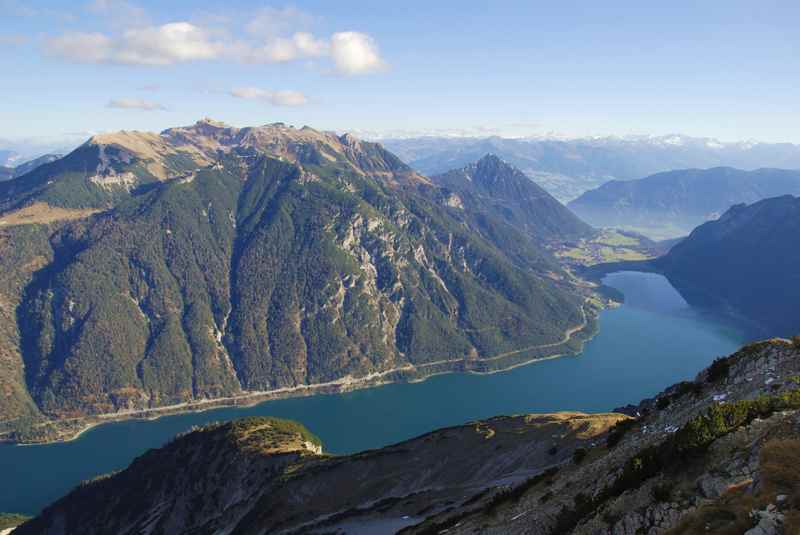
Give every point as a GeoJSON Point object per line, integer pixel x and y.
{"type": "Point", "coordinates": [568, 167]}
{"type": "Point", "coordinates": [7, 173]}
{"type": "Point", "coordinates": [675, 202]}
{"type": "Point", "coordinates": [209, 263]}
{"type": "Point", "coordinates": [717, 454]}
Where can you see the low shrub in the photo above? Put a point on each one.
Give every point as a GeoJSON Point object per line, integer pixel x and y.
{"type": "Point", "coordinates": [779, 468]}
{"type": "Point", "coordinates": [662, 492]}
{"type": "Point", "coordinates": [618, 431]}
{"type": "Point", "coordinates": [690, 441]}
{"type": "Point", "coordinates": [718, 370]}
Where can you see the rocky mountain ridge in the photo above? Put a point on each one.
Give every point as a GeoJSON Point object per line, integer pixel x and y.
{"type": "Point", "coordinates": [106, 168]}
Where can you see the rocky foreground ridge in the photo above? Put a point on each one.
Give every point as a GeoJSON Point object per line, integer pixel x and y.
{"type": "Point", "coordinates": [718, 454]}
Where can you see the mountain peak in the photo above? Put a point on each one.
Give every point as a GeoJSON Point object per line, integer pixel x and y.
{"type": "Point", "coordinates": [349, 139]}
{"type": "Point", "coordinates": [491, 170]}
{"type": "Point", "coordinates": [498, 188]}
{"type": "Point", "coordinates": [493, 161]}
{"type": "Point", "coordinates": [212, 122]}
{"type": "Point", "coordinates": [117, 162]}
{"type": "Point", "coordinates": [491, 158]}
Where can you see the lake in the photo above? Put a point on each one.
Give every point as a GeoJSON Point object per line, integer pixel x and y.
{"type": "Point", "coordinates": [654, 340]}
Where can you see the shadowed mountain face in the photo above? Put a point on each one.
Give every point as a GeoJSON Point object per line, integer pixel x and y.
{"type": "Point", "coordinates": [701, 457]}
{"type": "Point", "coordinates": [745, 263]}
{"type": "Point", "coordinates": [497, 190]}
{"type": "Point", "coordinates": [146, 270]}
{"type": "Point", "coordinates": [672, 203]}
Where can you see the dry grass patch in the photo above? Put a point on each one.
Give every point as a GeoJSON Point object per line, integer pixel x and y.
{"type": "Point", "coordinates": [779, 473]}
{"type": "Point", "coordinates": [780, 470]}
{"type": "Point", "coordinates": [43, 213]}
{"type": "Point", "coordinates": [730, 515]}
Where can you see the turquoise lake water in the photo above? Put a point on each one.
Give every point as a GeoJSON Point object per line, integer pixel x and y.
{"type": "Point", "coordinates": [654, 340]}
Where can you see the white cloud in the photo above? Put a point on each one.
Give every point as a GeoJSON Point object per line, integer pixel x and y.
{"type": "Point", "coordinates": [81, 47]}
{"type": "Point", "coordinates": [282, 49]}
{"type": "Point", "coordinates": [308, 45]}
{"type": "Point", "coordinates": [164, 45]}
{"type": "Point", "coordinates": [272, 36]}
{"type": "Point", "coordinates": [355, 53]}
{"type": "Point", "coordinates": [154, 45]}
{"type": "Point", "coordinates": [134, 104]}
{"type": "Point", "coordinates": [276, 98]}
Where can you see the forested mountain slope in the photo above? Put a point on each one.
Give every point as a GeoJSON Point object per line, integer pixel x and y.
{"type": "Point", "coordinates": [208, 262]}
{"type": "Point", "coordinates": [745, 263]}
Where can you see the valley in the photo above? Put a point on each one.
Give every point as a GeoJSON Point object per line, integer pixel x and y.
{"type": "Point", "coordinates": [609, 246]}
{"type": "Point", "coordinates": [399, 268]}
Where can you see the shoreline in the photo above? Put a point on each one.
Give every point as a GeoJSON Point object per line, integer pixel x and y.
{"type": "Point", "coordinates": [408, 373]}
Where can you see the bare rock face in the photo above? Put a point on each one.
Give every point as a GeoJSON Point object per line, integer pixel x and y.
{"type": "Point", "coordinates": [769, 522]}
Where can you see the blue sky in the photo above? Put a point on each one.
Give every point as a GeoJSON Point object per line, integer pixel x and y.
{"type": "Point", "coordinates": [724, 69]}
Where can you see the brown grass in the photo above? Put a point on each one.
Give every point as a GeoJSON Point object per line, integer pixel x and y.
{"type": "Point", "coordinates": [729, 515]}
{"type": "Point", "coordinates": [779, 473]}
{"type": "Point", "coordinates": [42, 213]}
{"type": "Point", "coordinates": [780, 470]}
